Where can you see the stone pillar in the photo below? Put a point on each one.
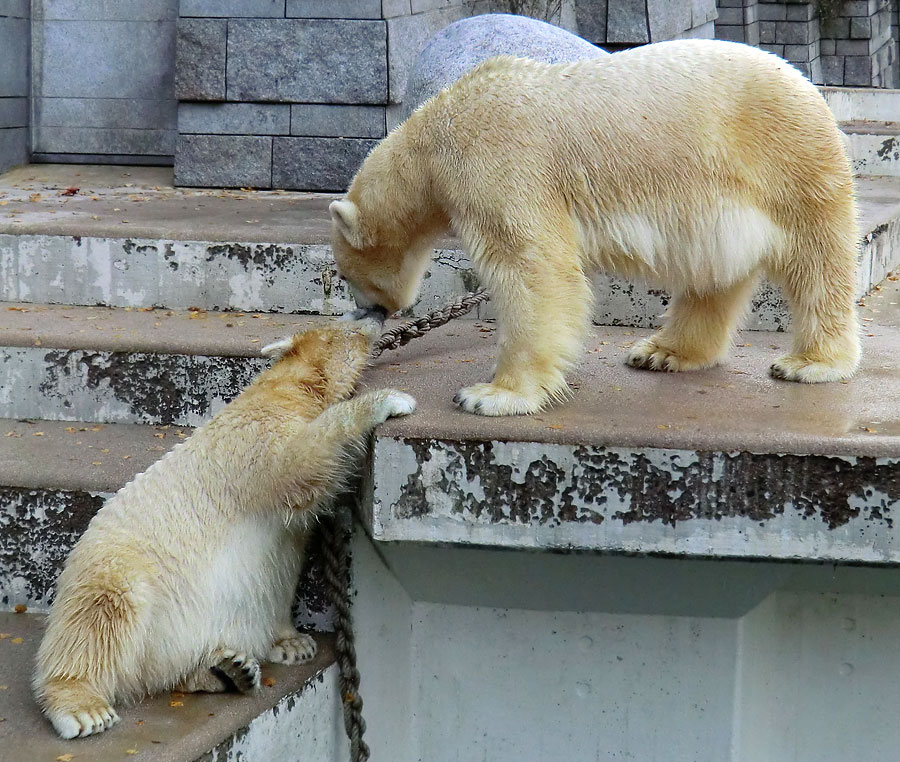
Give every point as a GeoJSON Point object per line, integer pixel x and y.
{"type": "Point", "coordinates": [14, 83]}
{"type": "Point", "coordinates": [857, 45]}
{"type": "Point", "coordinates": [614, 24]}
{"type": "Point", "coordinates": [738, 21]}
{"type": "Point", "coordinates": [272, 94]}
{"type": "Point", "coordinates": [791, 30]}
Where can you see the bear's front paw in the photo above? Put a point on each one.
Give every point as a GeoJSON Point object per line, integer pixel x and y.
{"type": "Point", "coordinates": [85, 721]}
{"type": "Point", "coordinates": [296, 649]}
{"type": "Point", "coordinates": [395, 405]}
{"type": "Point", "coordinates": [490, 399]}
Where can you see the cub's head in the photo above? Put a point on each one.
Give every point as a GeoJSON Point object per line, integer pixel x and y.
{"type": "Point", "coordinates": [383, 270]}
{"type": "Point", "coordinates": [327, 359]}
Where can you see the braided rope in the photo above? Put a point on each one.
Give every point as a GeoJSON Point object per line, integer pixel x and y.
{"type": "Point", "coordinates": [412, 329]}
{"type": "Point", "coordinates": [335, 539]}
{"type": "Point", "coordinates": [337, 578]}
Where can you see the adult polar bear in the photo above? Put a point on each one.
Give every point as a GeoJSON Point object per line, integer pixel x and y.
{"type": "Point", "coordinates": [696, 164]}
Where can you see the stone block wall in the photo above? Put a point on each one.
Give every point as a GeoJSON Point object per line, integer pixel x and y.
{"type": "Point", "coordinates": [102, 80]}
{"type": "Point", "coordinates": [14, 82]}
{"type": "Point", "coordinates": [615, 24]}
{"type": "Point", "coordinates": [302, 118]}
{"type": "Point", "coordinates": [852, 45]}
{"type": "Point", "coordinates": [857, 45]}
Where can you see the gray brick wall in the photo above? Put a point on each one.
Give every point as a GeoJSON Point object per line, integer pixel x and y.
{"type": "Point", "coordinates": [103, 80]}
{"type": "Point", "coordinates": [853, 46]}
{"type": "Point", "coordinates": [14, 82]}
{"type": "Point", "coordinates": [294, 93]}
{"type": "Point", "coordinates": [303, 118]}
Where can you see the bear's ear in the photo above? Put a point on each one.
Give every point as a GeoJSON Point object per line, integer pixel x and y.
{"type": "Point", "coordinates": [345, 215]}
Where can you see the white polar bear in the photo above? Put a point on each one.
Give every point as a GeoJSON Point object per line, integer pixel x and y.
{"type": "Point", "coordinates": [698, 165]}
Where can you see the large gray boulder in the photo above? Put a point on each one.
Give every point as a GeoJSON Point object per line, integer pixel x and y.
{"type": "Point", "coordinates": [461, 46]}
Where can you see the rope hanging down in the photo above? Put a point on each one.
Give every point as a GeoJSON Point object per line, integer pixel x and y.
{"type": "Point", "coordinates": [335, 539]}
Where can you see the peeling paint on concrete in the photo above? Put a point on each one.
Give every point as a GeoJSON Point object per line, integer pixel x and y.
{"type": "Point", "coordinates": [875, 154]}
{"type": "Point", "coordinates": [119, 387]}
{"type": "Point", "coordinates": [512, 494]}
{"type": "Point", "coordinates": [269, 277]}
{"type": "Point", "coordinates": [38, 528]}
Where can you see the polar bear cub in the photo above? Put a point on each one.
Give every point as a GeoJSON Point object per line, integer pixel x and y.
{"type": "Point", "coordinates": [193, 565]}
{"type": "Point", "coordinates": [697, 165]}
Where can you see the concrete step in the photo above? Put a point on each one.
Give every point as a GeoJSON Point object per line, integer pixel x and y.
{"type": "Point", "coordinates": [298, 708]}
{"type": "Point", "coordinates": [863, 104]}
{"type": "Point", "coordinates": [144, 243]}
{"type": "Point", "coordinates": [724, 463]}
{"type": "Point", "coordinates": [874, 146]}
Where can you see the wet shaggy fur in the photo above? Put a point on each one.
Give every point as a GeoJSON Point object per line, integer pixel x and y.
{"type": "Point", "coordinates": [193, 564]}
{"type": "Point", "coordinates": [696, 165]}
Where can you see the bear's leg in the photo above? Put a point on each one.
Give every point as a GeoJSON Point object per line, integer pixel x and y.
{"type": "Point", "coordinates": [820, 284]}
{"type": "Point", "coordinates": [697, 332]}
{"type": "Point", "coordinates": [544, 303]}
{"type": "Point", "coordinates": [93, 644]}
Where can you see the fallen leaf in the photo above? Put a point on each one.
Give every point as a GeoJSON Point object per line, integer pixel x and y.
{"type": "Point", "coordinates": [4, 687]}
{"type": "Point", "coordinates": [17, 641]}
{"type": "Point", "coordinates": [664, 426]}
{"type": "Point", "coordinates": [96, 463]}
{"type": "Point", "coordinates": [176, 703]}
{"type": "Point", "coordinates": [17, 309]}
{"type": "Point", "coordinates": [34, 197]}
{"type": "Point", "coordinates": [131, 751]}
{"type": "Point", "coordinates": [20, 608]}
{"type": "Point", "coordinates": [70, 191]}
{"type": "Point", "coordinates": [5, 635]}
{"type": "Point", "coordinates": [269, 681]}
{"type": "Point", "coordinates": [71, 429]}
{"type": "Point", "coordinates": [37, 433]}
{"type": "Point", "coordinates": [554, 426]}
{"type": "Point", "coordinates": [65, 758]}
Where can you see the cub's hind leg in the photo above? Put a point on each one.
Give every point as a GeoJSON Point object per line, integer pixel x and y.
{"type": "Point", "coordinates": [698, 330]}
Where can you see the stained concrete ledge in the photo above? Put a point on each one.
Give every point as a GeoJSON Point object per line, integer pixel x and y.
{"type": "Point", "coordinates": [719, 463]}
{"type": "Point", "coordinates": [301, 709]}
{"type": "Point", "coordinates": [128, 238]}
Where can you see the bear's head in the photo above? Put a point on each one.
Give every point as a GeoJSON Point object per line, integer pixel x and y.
{"type": "Point", "coordinates": [383, 270]}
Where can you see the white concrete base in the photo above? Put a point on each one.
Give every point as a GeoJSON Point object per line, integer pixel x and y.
{"type": "Point", "coordinates": [525, 657]}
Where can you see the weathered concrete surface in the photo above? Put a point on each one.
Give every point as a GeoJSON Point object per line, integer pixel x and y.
{"type": "Point", "coordinates": [301, 709]}
{"type": "Point", "coordinates": [143, 243]}
{"type": "Point", "coordinates": [874, 146]}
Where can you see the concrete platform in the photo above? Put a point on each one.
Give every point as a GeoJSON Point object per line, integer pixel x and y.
{"type": "Point", "coordinates": [301, 708]}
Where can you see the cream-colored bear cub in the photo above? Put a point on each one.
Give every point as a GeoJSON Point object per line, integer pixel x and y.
{"type": "Point", "coordinates": [698, 165]}
{"type": "Point", "coordinates": [185, 577]}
